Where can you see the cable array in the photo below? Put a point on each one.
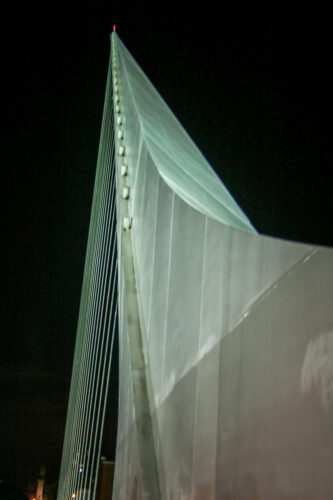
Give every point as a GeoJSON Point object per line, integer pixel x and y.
{"type": "Point", "coordinates": [97, 324]}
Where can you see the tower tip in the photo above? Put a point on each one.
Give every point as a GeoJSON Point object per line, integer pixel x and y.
{"type": "Point", "coordinates": [114, 27]}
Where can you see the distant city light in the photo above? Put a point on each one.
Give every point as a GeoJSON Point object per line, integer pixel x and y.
{"type": "Point", "coordinates": [74, 495]}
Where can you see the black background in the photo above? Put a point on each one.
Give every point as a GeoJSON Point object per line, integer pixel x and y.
{"type": "Point", "coordinates": [252, 87]}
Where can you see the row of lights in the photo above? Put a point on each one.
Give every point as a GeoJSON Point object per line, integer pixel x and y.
{"type": "Point", "coordinates": [127, 222]}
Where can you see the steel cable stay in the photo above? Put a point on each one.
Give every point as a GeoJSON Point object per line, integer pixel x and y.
{"type": "Point", "coordinates": [90, 339]}
{"type": "Point", "coordinates": [93, 318]}
{"type": "Point", "coordinates": [93, 343]}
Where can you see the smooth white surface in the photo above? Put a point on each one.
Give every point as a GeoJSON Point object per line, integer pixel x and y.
{"type": "Point", "coordinates": [230, 322]}
{"type": "Point", "coordinates": [177, 159]}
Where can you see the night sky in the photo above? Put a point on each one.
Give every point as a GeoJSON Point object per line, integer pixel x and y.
{"type": "Point", "coordinates": [253, 89]}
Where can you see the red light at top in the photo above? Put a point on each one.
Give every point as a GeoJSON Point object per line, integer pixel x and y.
{"type": "Point", "coordinates": [114, 27]}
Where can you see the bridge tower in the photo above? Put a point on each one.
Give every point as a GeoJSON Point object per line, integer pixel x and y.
{"type": "Point", "coordinates": [225, 335]}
